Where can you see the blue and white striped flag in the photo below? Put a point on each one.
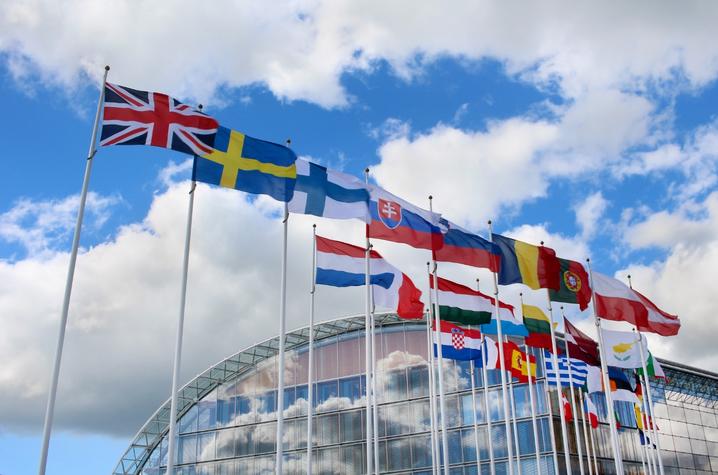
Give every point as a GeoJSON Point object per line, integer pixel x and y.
{"type": "Point", "coordinates": [579, 370]}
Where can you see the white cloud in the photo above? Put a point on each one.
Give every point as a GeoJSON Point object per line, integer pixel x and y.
{"type": "Point", "coordinates": [589, 213]}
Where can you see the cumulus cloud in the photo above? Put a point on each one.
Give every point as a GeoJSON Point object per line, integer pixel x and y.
{"type": "Point", "coordinates": [589, 213]}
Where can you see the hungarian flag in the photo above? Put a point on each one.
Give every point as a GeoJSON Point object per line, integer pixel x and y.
{"type": "Point", "coordinates": [580, 345]}
{"type": "Point", "coordinates": [515, 360]}
{"type": "Point", "coordinates": [460, 304]}
{"type": "Point", "coordinates": [568, 414]}
{"type": "Point", "coordinates": [539, 327]}
{"type": "Point", "coordinates": [617, 301]}
{"type": "Point", "coordinates": [574, 287]}
{"type": "Point", "coordinates": [591, 412]}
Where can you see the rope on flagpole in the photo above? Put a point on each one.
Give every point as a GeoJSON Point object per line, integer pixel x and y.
{"type": "Point", "coordinates": [573, 403]}
{"type": "Point", "coordinates": [55, 375]}
{"type": "Point", "coordinates": [310, 356]}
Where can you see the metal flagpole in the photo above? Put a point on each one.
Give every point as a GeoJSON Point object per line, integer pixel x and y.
{"type": "Point", "coordinates": [472, 368]}
{"type": "Point", "coordinates": [593, 444]}
{"type": "Point", "coordinates": [432, 397]}
{"type": "Point", "coordinates": [310, 364]}
{"type": "Point", "coordinates": [585, 431]}
{"type": "Point", "coordinates": [368, 337]}
{"type": "Point", "coordinates": [282, 330]}
{"type": "Point", "coordinates": [374, 410]}
{"type": "Point", "coordinates": [618, 462]}
{"type": "Point", "coordinates": [650, 451]}
{"type": "Point", "coordinates": [513, 420]}
{"type": "Point", "coordinates": [551, 429]}
{"type": "Point", "coordinates": [50, 408]}
{"type": "Point", "coordinates": [487, 409]}
{"type": "Point", "coordinates": [559, 392]}
{"type": "Point", "coordinates": [502, 363]}
{"type": "Point", "coordinates": [579, 450]}
{"type": "Point", "coordinates": [643, 455]}
{"type": "Point", "coordinates": [534, 425]}
{"type": "Point", "coordinates": [442, 403]}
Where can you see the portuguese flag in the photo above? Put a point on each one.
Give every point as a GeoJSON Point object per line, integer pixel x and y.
{"type": "Point", "coordinates": [460, 304]}
{"type": "Point", "coordinates": [538, 326]}
{"type": "Point", "coordinates": [574, 284]}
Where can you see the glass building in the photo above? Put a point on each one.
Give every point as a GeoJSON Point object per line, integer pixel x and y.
{"type": "Point", "coordinates": [227, 415]}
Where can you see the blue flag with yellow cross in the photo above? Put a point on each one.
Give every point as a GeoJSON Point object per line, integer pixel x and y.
{"type": "Point", "coordinates": [248, 164]}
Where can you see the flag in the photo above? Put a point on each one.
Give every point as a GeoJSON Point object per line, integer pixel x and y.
{"type": "Point", "coordinates": [653, 367]}
{"type": "Point", "coordinates": [623, 349]}
{"type": "Point", "coordinates": [580, 345]}
{"type": "Point", "coordinates": [510, 326]}
{"type": "Point", "coordinates": [644, 439]}
{"type": "Point", "coordinates": [247, 164]}
{"type": "Point", "coordinates": [523, 263]}
{"type": "Point", "coordinates": [591, 412]}
{"type": "Point", "coordinates": [394, 219]}
{"type": "Point", "coordinates": [578, 371]}
{"type": "Point", "coordinates": [639, 416]}
{"type": "Point", "coordinates": [621, 388]}
{"type": "Point", "coordinates": [460, 304]}
{"type": "Point", "coordinates": [458, 343]}
{"type": "Point", "coordinates": [573, 284]}
{"type": "Point", "coordinates": [515, 361]}
{"type": "Point", "coordinates": [132, 117]}
{"type": "Point", "coordinates": [568, 414]}
{"type": "Point", "coordinates": [463, 247]}
{"type": "Point", "coordinates": [491, 349]}
{"type": "Point", "coordinates": [343, 265]}
{"type": "Point", "coordinates": [538, 326]}
{"type": "Point", "coordinates": [617, 301]}
{"type": "Point", "coordinates": [594, 379]}
{"type": "Point", "coordinates": [320, 191]}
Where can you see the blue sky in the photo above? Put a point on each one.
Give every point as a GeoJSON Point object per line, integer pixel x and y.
{"type": "Point", "coordinates": [597, 134]}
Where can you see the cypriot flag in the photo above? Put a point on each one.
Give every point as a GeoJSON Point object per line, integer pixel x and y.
{"type": "Point", "coordinates": [622, 349]}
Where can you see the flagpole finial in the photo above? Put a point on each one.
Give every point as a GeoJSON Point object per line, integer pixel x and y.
{"type": "Point", "coordinates": [200, 107]}
{"type": "Point", "coordinates": [366, 170]}
{"type": "Point", "coordinates": [489, 222]}
{"type": "Point", "coordinates": [521, 294]}
{"type": "Point", "coordinates": [542, 243]}
{"type": "Point", "coordinates": [314, 226]}
{"type": "Point", "coordinates": [431, 197]}
{"type": "Point", "coordinates": [588, 259]}
{"type": "Point", "coordinates": [107, 67]}
{"type": "Point", "coordinates": [288, 142]}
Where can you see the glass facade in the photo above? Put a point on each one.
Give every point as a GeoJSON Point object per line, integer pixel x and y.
{"type": "Point", "coordinates": [228, 421]}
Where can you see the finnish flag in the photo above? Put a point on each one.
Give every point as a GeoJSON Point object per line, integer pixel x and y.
{"type": "Point", "coordinates": [328, 193]}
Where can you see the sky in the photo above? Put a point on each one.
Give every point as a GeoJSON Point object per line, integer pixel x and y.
{"type": "Point", "coordinates": [592, 127]}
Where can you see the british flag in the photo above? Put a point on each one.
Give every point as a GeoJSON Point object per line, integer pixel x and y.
{"type": "Point", "coordinates": [134, 117]}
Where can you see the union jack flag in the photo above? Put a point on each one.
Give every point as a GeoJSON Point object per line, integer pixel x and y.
{"type": "Point", "coordinates": [134, 117]}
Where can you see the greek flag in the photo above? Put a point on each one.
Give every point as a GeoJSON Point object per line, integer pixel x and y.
{"type": "Point", "coordinates": [579, 370]}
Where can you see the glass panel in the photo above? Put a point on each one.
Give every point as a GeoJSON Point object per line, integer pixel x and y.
{"type": "Point", "coordinates": [188, 422]}
{"type": "Point", "coordinates": [225, 443]}
{"type": "Point", "coordinates": [187, 449]}
{"type": "Point", "coordinates": [421, 451]}
{"type": "Point", "coordinates": [399, 454]}
{"type": "Point", "coordinates": [351, 424]}
{"type": "Point", "coordinates": [205, 447]}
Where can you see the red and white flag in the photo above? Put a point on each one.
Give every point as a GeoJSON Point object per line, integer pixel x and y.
{"type": "Point", "coordinates": [616, 301]}
{"type": "Point", "coordinates": [591, 412]}
{"type": "Point", "coordinates": [566, 407]}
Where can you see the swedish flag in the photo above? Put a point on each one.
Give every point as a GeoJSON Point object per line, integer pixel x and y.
{"type": "Point", "coordinates": [248, 164]}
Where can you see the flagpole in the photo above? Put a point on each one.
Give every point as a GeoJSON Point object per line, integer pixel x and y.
{"type": "Point", "coordinates": [559, 392]}
{"type": "Point", "coordinates": [374, 410]}
{"type": "Point", "coordinates": [513, 418]}
{"type": "Point", "coordinates": [368, 341]}
{"type": "Point", "coordinates": [487, 408]}
{"type": "Point", "coordinates": [282, 330]}
{"type": "Point", "coordinates": [585, 429]}
{"type": "Point", "coordinates": [472, 368]}
{"type": "Point", "coordinates": [593, 443]}
{"type": "Point", "coordinates": [310, 364]}
{"type": "Point", "coordinates": [442, 403]}
{"type": "Point", "coordinates": [432, 397]}
{"type": "Point", "coordinates": [618, 462]}
{"type": "Point", "coordinates": [502, 363]}
{"type": "Point", "coordinates": [55, 375]}
{"type": "Point", "coordinates": [573, 404]}
{"type": "Point", "coordinates": [531, 397]}
{"type": "Point", "coordinates": [643, 455]}
{"type": "Point", "coordinates": [552, 431]}
{"type": "Point", "coordinates": [650, 453]}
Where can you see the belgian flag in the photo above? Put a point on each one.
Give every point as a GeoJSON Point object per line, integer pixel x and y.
{"type": "Point", "coordinates": [574, 286]}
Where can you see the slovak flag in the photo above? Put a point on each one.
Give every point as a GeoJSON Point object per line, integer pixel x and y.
{"type": "Point", "coordinates": [394, 219]}
{"type": "Point", "coordinates": [343, 265]}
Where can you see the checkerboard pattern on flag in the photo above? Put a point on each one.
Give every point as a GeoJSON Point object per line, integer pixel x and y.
{"type": "Point", "coordinates": [458, 343]}
{"type": "Point", "coordinates": [132, 117]}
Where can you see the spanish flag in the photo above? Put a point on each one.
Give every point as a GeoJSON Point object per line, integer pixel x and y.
{"type": "Point", "coordinates": [523, 263]}
{"type": "Point", "coordinates": [515, 360]}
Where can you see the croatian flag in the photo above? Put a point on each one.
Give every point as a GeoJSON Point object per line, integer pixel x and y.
{"type": "Point", "coordinates": [342, 265]}
{"type": "Point", "coordinates": [331, 194]}
{"type": "Point", "coordinates": [394, 219]}
{"type": "Point", "coordinates": [458, 343]}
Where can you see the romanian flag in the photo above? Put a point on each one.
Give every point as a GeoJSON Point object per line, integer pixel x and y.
{"type": "Point", "coordinates": [248, 164]}
{"type": "Point", "coordinates": [574, 287]}
{"type": "Point", "coordinates": [460, 304]}
{"type": "Point", "coordinates": [523, 263]}
{"type": "Point", "coordinates": [515, 360]}
{"type": "Point", "coordinates": [539, 327]}
{"type": "Point", "coordinates": [463, 247]}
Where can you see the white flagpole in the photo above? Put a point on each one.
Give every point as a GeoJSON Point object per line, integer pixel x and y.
{"type": "Point", "coordinates": [650, 451]}
{"type": "Point", "coordinates": [432, 396]}
{"type": "Point", "coordinates": [368, 341]}
{"type": "Point", "coordinates": [579, 450]}
{"type": "Point", "coordinates": [559, 392]}
{"type": "Point", "coordinates": [643, 456]}
{"type": "Point", "coordinates": [310, 364]}
{"type": "Point", "coordinates": [50, 408]}
{"type": "Point", "coordinates": [487, 408]}
{"type": "Point", "coordinates": [442, 403]}
{"type": "Point", "coordinates": [472, 368]}
{"type": "Point", "coordinates": [513, 420]}
{"type": "Point", "coordinates": [375, 411]}
{"type": "Point", "coordinates": [552, 432]}
{"type": "Point", "coordinates": [618, 461]}
{"type": "Point", "coordinates": [280, 355]}
{"type": "Point", "coordinates": [593, 444]}
{"type": "Point", "coordinates": [504, 386]}
{"type": "Point", "coordinates": [585, 430]}
{"type": "Point", "coordinates": [534, 425]}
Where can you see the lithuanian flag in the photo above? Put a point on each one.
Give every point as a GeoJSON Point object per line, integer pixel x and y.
{"type": "Point", "coordinates": [538, 326]}
{"type": "Point", "coordinates": [523, 263]}
{"type": "Point", "coordinates": [460, 304]}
